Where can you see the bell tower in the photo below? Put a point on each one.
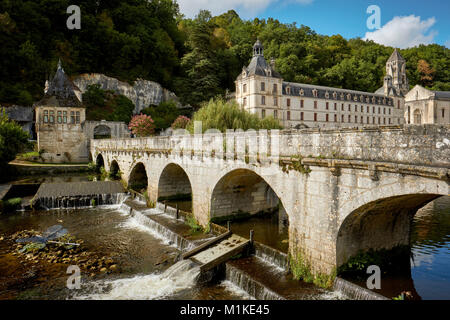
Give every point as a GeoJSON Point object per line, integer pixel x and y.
{"type": "Point", "coordinates": [396, 70]}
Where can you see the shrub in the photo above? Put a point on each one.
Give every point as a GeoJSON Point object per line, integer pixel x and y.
{"type": "Point", "coordinates": [180, 123]}
{"type": "Point", "coordinates": [142, 125]}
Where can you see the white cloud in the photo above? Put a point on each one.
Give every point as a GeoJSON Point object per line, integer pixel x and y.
{"type": "Point", "coordinates": [245, 8]}
{"type": "Point", "coordinates": [404, 32]}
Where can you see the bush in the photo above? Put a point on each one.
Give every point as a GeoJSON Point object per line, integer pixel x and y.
{"type": "Point", "coordinates": [180, 123]}
{"type": "Point", "coordinates": [163, 114]}
{"type": "Point", "coordinates": [222, 115]}
{"type": "Point", "coordinates": [142, 125]}
{"type": "Point", "coordinates": [12, 140]}
{"type": "Point", "coordinates": [11, 204]}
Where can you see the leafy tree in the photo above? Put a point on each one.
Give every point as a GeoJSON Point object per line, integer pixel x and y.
{"type": "Point", "coordinates": [12, 140]}
{"type": "Point", "coordinates": [222, 115]}
{"type": "Point", "coordinates": [426, 72]}
{"type": "Point", "coordinates": [163, 114]}
{"type": "Point", "coordinates": [180, 123]}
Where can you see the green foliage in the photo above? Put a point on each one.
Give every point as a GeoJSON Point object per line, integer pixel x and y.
{"type": "Point", "coordinates": [12, 140]}
{"type": "Point", "coordinates": [193, 224]}
{"type": "Point", "coordinates": [196, 58]}
{"type": "Point", "coordinates": [302, 271]}
{"type": "Point", "coordinates": [11, 204]}
{"type": "Point", "coordinates": [163, 114]}
{"type": "Point", "coordinates": [106, 105]}
{"type": "Point", "coordinates": [221, 115]}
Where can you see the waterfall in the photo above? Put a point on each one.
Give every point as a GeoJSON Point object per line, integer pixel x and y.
{"type": "Point", "coordinates": [180, 276]}
{"type": "Point", "coordinates": [356, 292]}
{"type": "Point", "coordinates": [271, 256]}
{"type": "Point", "coordinates": [76, 202]}
{"type": "Point", "coordinates": [249, 285]}
{"type": "Point", "coordinates": [142, 220]}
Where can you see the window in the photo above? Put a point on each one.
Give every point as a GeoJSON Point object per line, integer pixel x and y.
{"type": "Point", "coordinates": [327, 105]}
{"type": "Point", "coordinates": [368, 109]}
{"type": "Point", "coordinates": [72, 116]}
{"type": "Point", "coordinates": [315, 93]}
{"type": "Point", "coordinates": [373, 110]}
{"type": "Point", "coordinates": [342, 107]}
{"type": "Point", "coordinates": [65, 116]}
{"type": "Point", "coordinates": [275, 114]}
{"type": "Point", "coordinates": [59, 118]}
{"type": "Point", "coordinates": [245, 88]}
{"type": "Point", "coordinates": [389, 120]}
{"type": "Point", "coordinates": [288, 90]}
{"type": "Point", "coordinates": [263, 113]}
{"type": "Point", "coordinates": [45, 116]}
{"type": "Point", "coordinates": [362, 108]}
{"type": "Point", "coordinates": [362, 119]}
{"type": "Point", "coordinates": [356, 119]}
{"type": "Point", "coordinates": [78, 116]}
{"type": "Point", "coordinates": [384, 110]}
{"type": "Point", "coordinates": [288, 102]}
{"type": "Point", "coordinates": [342, 119]}
{"type": "Point", "coordinates": [373, 120]}
{"type": "Point", "coordinates": [275, 88]}
{"type": "Point", "coordinates": [349, 107]}
{"type": "Point", "coordinates": [368, 120]}
{"type": "Point", "coordinates": [384, 120]}
{"type": "Point", "coordinates": [288, 115]}
{"type": "Point", "coordinates": [398, 104]}
{"type": "Point", "coordinates": [389, 111]}
{"type": "Point", "coordinates": [443, 113]}
{"type": "Point", "coordinates": [326, 117]}
{"type": "Point", "coordinates": [245, 101]}
{"type": "Point", "coordinates": [52, 116]}
{"type": "Point", "coordinates": [335, 118]}
{"type": "Point", "coordinates": [379, 110]}
{"type": "Point", "coordinates": [349, 118]}
{"type": "Point", "coordinates": [356, 108]}
{"type": "Point", "coordinates": [263, 100]}
{"type": "Point", "coordinates": [379, 120]}
{"type": "Point", "coordinates": [301, 116]}
{"type": "Point", "coordinates": [301, 104]}
{"type": "Point", "coordinates": [315, 104]}
{"type": "Point", "coordinates": [315, 116]}
{"type": "Point", "coordinates": [275, 101]}
{"type": "Point", "coordinates": [263, 86]}
{"type": "Point", "coordinates": [335, 106]}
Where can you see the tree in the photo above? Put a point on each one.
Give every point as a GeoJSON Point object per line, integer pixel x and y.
{"type": "Point", "coordinates": [163, 114]}
{"type": "Point", "coordinates": [221, 115]}
{"type": "Point", "coordinates": [12, 140]}
{"type": "Point", "coordinates": [142, 125]}
{"type": "Point", "coordinates": [426, 73]}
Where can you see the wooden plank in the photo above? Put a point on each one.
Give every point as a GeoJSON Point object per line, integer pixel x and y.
{"type": "Point", "coordinates": [206, 245]}
{"type": "Point", "coordinates": [223, 258]}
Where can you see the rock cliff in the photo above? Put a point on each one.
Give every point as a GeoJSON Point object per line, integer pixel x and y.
{"type": "Point", "coordinates": [143, 93]}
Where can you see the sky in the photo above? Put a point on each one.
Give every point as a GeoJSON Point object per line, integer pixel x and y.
{"type": "Point", "coordinates": [403, 23]}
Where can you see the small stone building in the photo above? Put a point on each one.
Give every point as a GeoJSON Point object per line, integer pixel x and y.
{"type": "Point", "coordinates": [424, 106]}
{"type": "Point", "coordinates": [63, 134]}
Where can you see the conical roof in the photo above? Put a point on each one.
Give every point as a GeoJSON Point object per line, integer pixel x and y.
{"type": "Point", "coordinates": [396, 56]}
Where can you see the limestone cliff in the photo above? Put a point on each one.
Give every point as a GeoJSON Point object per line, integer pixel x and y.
{"type": "Point", "coordinates": [143, 93]}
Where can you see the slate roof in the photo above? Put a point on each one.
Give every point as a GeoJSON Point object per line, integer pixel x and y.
{"type": "Point", "coordinates": [341, 94]}
{"type": "Point", "coordinates": [445, 95]}
{"type": "Point", "coordinates": [396, 56]}
{"type": "Point", "coordinates": [61, 91]}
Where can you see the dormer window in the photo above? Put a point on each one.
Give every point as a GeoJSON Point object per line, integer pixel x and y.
{"type": "Point", "coordinates": [368, 100]}
{"type": "Point", "coordinates": [288, 90]}
{"type": "Point", "coordinates": [327, 95]}
{"type": "Point", "coordinates": [334, 95]}
{"type": "Point", "coordinates": [361, 98]}
{"type": "Point", "coordinates": [302, 92]}
{"type": "Point", "coordinates": [355, 98]}
{"type": "Point", "coordinates": [373, 99]}
{"type": "Point", "coordinates": [349, 96]}
{"type": "Point", "coordinates": [315, 92]}
{"type": "Point", "coordinates": [342, 96]}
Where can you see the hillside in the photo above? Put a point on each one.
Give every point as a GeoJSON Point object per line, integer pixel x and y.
{"type": "Point", "coordinates": [195, 58]}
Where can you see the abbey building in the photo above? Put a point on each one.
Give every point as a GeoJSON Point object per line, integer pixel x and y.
{"type": "Point", "coordinates": [260, 89]}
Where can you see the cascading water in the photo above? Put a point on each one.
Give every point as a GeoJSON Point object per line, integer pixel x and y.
{"type": "Point", "coordinates": [81, 201]}
{"type": "Point", "coordinates": [180, 276]}
{"type": "Point", "coordinates": [356, 292]}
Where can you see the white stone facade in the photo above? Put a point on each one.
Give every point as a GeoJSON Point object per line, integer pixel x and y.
{"type": "Point", "coordinates": [262, 91]}
{"type": "Point", "coordinates": [424, 106]}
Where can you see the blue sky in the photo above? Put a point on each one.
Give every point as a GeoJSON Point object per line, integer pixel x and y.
{"type": "Point", "coordinates": [403, 23]}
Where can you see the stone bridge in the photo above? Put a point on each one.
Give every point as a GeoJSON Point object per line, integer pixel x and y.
{"type": "Point", "coordinates": [343, 190]}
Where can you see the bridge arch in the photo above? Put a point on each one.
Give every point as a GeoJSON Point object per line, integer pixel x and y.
{"type": "Point", "coordinates": [114, 169]}
{"type": "Point", "coordinates": [243, 192]}
{"type": "Point", "coordinates": [381, 218]}
{"type": "Point", "coordinates": [99, 162]}
{"type": "Point", "coordinates": [138, 179]}
{"type": "Point", "coordinates": [102, 132]}
{"type": "Point", "coordinates": [174, 183]}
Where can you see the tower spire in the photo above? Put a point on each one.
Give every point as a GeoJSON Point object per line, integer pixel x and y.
{"type": "Point", "coordinates": [258, 49]}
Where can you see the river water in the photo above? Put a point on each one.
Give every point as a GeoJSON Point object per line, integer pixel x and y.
{"type": "Point", "coordinates": [147, 261]}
